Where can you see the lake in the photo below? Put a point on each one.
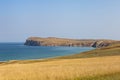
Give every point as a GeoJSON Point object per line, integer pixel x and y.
{"type": "Point", "coordinates": [19, 51]}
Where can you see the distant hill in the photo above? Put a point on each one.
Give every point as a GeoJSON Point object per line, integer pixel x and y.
{"type": "Point", "coordinates": [53, 41]}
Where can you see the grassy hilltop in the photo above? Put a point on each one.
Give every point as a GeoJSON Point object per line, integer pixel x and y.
{"type": "Point", "coordinates": [98, 64]}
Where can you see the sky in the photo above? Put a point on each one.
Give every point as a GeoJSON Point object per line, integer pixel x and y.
{"type": "Point", "coordinates": [79, 19]}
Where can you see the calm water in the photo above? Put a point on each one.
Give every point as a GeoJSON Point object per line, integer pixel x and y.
{"type": "Point", "coordinates": [18, 51]}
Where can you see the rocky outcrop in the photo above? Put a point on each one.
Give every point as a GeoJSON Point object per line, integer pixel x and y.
{"type": "Point", "coordinates": [99, 44]}
{"type": "Point", "coordinates": [52, 41]}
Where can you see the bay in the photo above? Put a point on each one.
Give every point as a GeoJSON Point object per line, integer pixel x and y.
{"type": "Point", "coordinates": [18, 51]}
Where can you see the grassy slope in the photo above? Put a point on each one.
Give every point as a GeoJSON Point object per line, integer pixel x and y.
{"type": "Point", "coordinates": [74, 67]}
{"type": "Point", "coordinates": [107, 51]}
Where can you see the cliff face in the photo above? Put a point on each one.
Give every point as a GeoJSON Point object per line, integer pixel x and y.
{"type": "Point", "coordinates": [51, 41]}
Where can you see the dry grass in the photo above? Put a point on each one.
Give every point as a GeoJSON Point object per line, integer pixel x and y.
{"type": "Point", "coordinates": [61, 69]}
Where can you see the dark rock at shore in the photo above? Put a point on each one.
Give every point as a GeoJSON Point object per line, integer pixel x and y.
{"type": "Point", "coordinates": [99, 44]}
{"type": "Point", "coordinates": [52, 41]}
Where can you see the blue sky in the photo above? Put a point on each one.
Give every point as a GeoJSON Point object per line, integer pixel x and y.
{"type": "Point", "coordinates": [82, 19]}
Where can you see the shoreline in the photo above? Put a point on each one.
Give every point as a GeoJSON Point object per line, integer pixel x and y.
{"type": "Point", "coordinates": [85, 54]}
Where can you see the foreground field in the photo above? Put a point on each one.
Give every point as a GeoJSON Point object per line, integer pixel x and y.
{"type": "Point", "coordinates": [100, 68]}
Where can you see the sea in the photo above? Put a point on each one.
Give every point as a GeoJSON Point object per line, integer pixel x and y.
{"type": "Point", "coordinates": [19, 51]}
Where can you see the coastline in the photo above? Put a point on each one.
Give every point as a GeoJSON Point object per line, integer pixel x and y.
{"type": "Point", "coordinates": [101, 52]}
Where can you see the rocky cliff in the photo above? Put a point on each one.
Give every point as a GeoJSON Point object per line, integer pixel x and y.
{"type": "Point", "coordinates": [52, 41]}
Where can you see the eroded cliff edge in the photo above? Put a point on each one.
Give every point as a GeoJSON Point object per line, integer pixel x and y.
{"type": "Point", "coordinates": [52, 41]}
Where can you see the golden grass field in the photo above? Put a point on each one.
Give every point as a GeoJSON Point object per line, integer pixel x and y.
{"type": "Point", "coordinates": [97, 68]}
